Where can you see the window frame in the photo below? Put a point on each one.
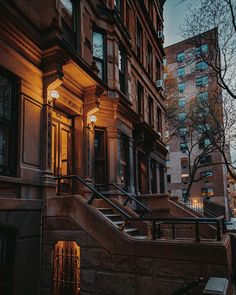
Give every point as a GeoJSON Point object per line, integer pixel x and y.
{"type": "Point", "coordinates": [103, 60]}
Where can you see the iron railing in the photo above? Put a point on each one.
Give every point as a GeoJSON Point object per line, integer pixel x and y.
{"type": "Point", "coordinates": [172, 226]}
{"type": "Point", "coordinates": [129, 197]}
{"type": "Point", "coordinates": [185, 290]}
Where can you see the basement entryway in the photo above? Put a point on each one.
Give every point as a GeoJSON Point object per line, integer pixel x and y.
{"type": "Point", "coordinates": [66, 268]}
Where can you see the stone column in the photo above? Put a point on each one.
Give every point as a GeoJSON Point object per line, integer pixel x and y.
{"type": "Point", "coordinates": [50, 82]}
{"type": "Point", "coordinates": [112, 156]}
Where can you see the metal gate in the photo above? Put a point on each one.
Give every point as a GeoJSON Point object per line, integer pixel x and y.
{"type": "Point", "coordinates": [66, 268]}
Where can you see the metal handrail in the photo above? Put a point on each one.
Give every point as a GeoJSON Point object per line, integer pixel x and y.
{"type": "Point", "coordinates": [131, 197]}
{"type": "Point", "coordinates": [157, 222]}
{"type": "Point", "coordinates": [78, 178]}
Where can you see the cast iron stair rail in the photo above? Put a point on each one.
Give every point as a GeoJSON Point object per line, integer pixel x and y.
{"type": "Point", "coordinates": [95, 193]}
{"type": "Point", "coordinates": [129, 197]}
{"type": "Point", "coordinates": [157, 232]}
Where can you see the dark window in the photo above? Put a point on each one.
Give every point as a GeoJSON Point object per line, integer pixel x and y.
{"type": "Point", "coordinates": [151, 111]}
{"type": "Point", "coordinates": [119, 7]}
{"type": "Point", "coordinates": [140, 99]}
{"type": "Point", "coordinates": [168, 178]}
{"type": "Point", "coordinates": [207, 159]}
{"type": "Point", "coordinates": [159, 120]}
{"type": "Point", "coordinates": [153, 176]}
{"type": "Point", "coordinates": [149, 61]}
{"type": "Point", "coordinates": [202, 97]}
{"type": "Point", "coordinates": [184, 163]}
{"type": "Point", "coordinates": [139, 41]}
{"type": "Point", "coordinates": [8, 123]}
{"type": "Point", "coordinates": [158, 69]}
{"type": "Point", "coordinates": [183, 146]}
{"type": "Point", "coordinates": [122, 70]}
{"type": "Point", "coordinates": [67, 12]}
{"type": "Point", "coordinates": [207, 175]}
{"type": "Point", "coordinates": [7, 247]}
{"type": "Point", "coordinates": [124, 159]}
{"type": "Point", "coordinates": [184, 194]}
{"type": "Point", "coordinates": [99, 53]}
{"type": "Point", "coordinates": [100, 156]}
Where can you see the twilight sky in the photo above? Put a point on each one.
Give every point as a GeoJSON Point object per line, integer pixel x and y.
{"type": "Point", "coordinates": [174, 15]}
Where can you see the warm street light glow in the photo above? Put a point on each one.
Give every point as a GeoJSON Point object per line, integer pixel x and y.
{"type": "Point", "coordinates": [93, 119]}
{"type": "Point", "coordinates": [54, 94]}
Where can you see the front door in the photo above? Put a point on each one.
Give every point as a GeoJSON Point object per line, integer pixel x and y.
{"type": "Point", "coordinates": [61, 144]}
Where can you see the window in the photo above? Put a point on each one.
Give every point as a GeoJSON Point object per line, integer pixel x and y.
{"type": "Point", "coordinates": [164, 61]}
{"type": "Point", "coordinates": [202, 96]}
{"type": "Point", "coordinates": [184, 194]}
{"type": "Point", "coordinates": [124, 159]}
{"type": "Point", "coordinates": [8, 123]}
{"type": "Point", "coordinates": [185, 178]}
{"type": "Point", "coordinates": [168, 147]}
{"type": "Point", "coordinates": [184, 163]}
{"type": "Point", "coordinates": [140, 101]}
{"type": "Point", "coordinates": [182, 116]}
{"type": "Point", "coordinates": [99, 53]}
{"type": "Point", "coordinates": [201, 128]}
{"type": "Point", "coordinates": [168, 178]}
{"type": "Point", "coordinates": [204, 143]}
{"type": "Point", "coordinates": [139, 41]}
{"type": "Point", "coordinates": [181, 72]}
{"type": "Point", "coordinates": [181, 87]}
{"type": "Point", "coordinates": [201, 66]}
{"type": "Point", "coordinates": [159, 120]}
{"type": "Point", "coordinates": [182, 102]}
{"type": "Point", "coordinates": [149, 61]}
{"type": "Point", "coordinates": [151, 111]}
{"type": "Point", "coordinates": [183, 146]}
{"type": "Point", "coordinates": [207, 192]}
{"type": "Point", "coordinates": [182, 131]}
{"type": "Point", "coordinates": [158, 69]}
{"type": "Point", "coordinates": [180, 57]}
{"type": "Point", "coordinates": [201, 49]}
{"type": "Point", "coordinates": [202, 81]}
{"type": "Point", "coordinates": [7, 248]}
{"type": "Point", "coordinates": [207, 159]}
{"type": "Point", "coordinates": [122, 70]}
{"type": "Point", "coordinates": [118, 4]}
{"type": "Point", "coordinates": [164, 76]}
{"type": "Point", "coordinates": [67, 12]}
{"type": "Point", "coordinates": [167, 163]}
{"type": "Point", "coordinates": [207, 174]}
{"type": "Point", "coordinates": [100, 156]}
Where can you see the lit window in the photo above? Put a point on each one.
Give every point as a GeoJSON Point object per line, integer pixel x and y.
{"type": "Point", "coordinates": [185, 177]}
{"type": "Point", "coordinates": [98, 53]}
{"type": "Point", "coordinates": [180, 57]}
{"type": "Point", "coordinates": [207, 192]}
{"type": "Point", "coordinates": [202, 81]}
{"type": "Point", "coordinates": [182, 102]}
{"type": "Point", "coordinates": [181, 72]}
{"type": "Point", "coordinates": [181, 87]}
{"type": "Point", "coordinates": [201, 66]}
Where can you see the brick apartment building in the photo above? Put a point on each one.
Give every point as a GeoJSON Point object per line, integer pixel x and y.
{"type": "Point", "coordinates": [81, 94]}
{"type": "Point", "coordinates": [193, 79]}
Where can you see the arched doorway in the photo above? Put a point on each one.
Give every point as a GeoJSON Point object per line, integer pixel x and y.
{"type": "Point", "coordinates": [66, 268]}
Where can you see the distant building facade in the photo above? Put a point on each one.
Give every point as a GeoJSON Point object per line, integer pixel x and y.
{"type": "Point", "coordinates": [193, 78]}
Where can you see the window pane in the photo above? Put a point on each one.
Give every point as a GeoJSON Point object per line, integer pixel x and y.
{"type": "Point", "coordinates": [98, 45]}
{"type": "Point", "coordinates": [182, 102]}
{"type": "Point", "coordinates": [67, 11]}
{"type": "Point", "coordinates": [5, 99]}
{"type": "Point", "coordinates": [180, 57]}
{"type": "Point", "coordinates": [181, 72]}
{"type": "Point", "coordinates": [181, 87]}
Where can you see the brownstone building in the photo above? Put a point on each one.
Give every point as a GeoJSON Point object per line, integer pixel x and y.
{"type": "Point", "coordinates": [81, 108]}
{"type": "Point", "coordinates": [193, 79]}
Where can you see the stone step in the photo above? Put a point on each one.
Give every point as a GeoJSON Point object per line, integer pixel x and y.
{"type": "Point", "coordinates": [131, 231]}
{"type": "Point", "coordinates": [114, 217]}
{"type": "Point", "coordinates": [141, 237]}
{"type": "Point", "coordinates": [106, 210]}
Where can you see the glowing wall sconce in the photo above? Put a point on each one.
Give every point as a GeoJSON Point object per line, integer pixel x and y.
{"type": "Point", "coordinates": [54, 95]}
{"type": "Point", "coordinates": [92, 121]}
